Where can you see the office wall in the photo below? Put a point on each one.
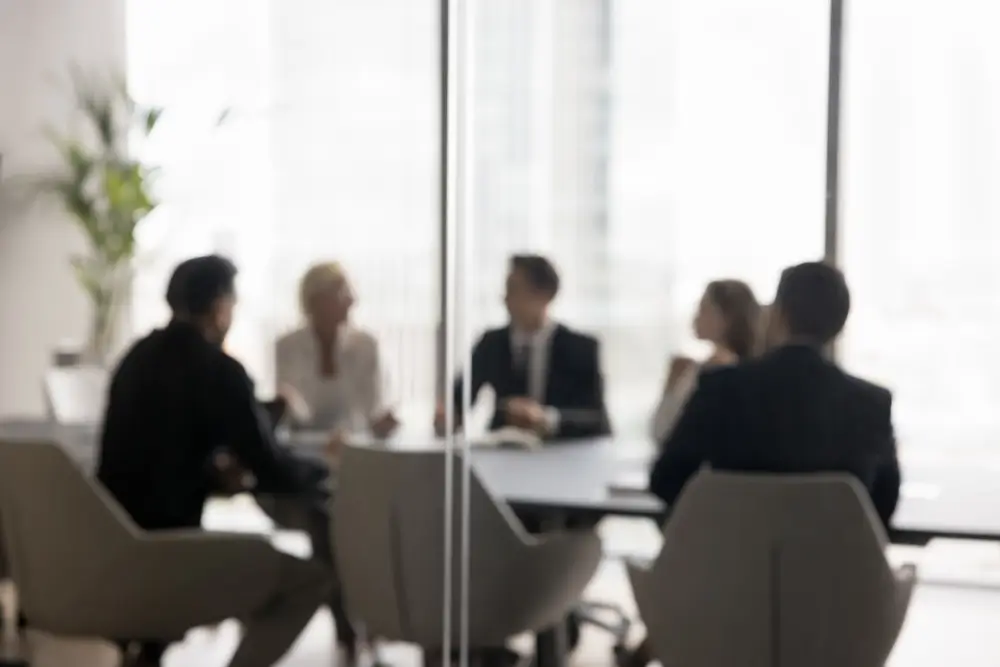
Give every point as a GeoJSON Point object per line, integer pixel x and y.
{"type": "Point", "coordinates": [40, 304]}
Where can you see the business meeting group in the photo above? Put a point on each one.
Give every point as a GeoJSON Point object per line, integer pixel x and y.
{"type": "Point", "coordinates": [184, 423]}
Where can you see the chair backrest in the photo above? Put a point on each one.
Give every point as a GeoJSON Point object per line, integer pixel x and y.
{"type": "Point", "coordinates": [766, 570]}
{"type": "Point", "coordinates": [76, 395]}
{"type": "Point", "coordinates": [60, 528]}
{"type": "Point", "coordinates": [389, 534]}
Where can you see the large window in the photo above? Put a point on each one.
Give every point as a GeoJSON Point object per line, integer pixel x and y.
{"type": "Point", "coordinates": [920, 233]}
{"type": "Point", "coordinates": [647, 147]}
{"type": "Point", "coordinates": [329, 151]}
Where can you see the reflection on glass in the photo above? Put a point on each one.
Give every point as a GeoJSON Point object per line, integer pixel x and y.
{"type": "Point", "coordinates": [921, 164]}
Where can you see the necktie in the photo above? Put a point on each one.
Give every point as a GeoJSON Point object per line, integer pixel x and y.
{"type": "Point", "coordinates": [519, 372]}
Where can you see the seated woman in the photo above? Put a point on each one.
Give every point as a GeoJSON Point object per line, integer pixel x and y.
{"type": "Point", "coordinates": [729, 319]}
{"type": "Point", "coordinates": [329, 371]}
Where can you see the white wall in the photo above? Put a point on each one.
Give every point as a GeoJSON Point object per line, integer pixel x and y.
{"type": "Point", "coordinates": [40, 304]}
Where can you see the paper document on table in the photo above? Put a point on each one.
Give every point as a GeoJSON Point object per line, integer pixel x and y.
{"type": "Point", "coordinates": [634, 481]}
{"type": "Point", "coordinates": [510, 438]}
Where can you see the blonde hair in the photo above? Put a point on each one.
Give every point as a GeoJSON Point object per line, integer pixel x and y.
{"type": "Point", "coordinates": [318, 278]}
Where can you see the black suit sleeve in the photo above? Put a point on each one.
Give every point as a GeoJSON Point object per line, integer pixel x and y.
{"type": "Point", "coordinates": [246, 430]}
{"type": "Point", "coordinates": [588, 416]}
{"type": "Point", "coordinates": [481, 352]}
{"type": "Point", "coordinates": [888, 479]}
{"type": "Point", "coordinates": [687, 448]}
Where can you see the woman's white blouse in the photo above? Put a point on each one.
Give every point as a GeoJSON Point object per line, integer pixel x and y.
{"type": "Point", "coordinates": [671, 406]}
{"type": "Point", "coordinates": [350, 399]}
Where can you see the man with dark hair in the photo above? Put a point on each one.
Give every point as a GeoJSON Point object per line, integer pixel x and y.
{"type": "Point", "coordinates": [791, 411]}
{"type": "Point", "coordinates": [176, 400]}
{"type": "Point", "coordinates": [547, 377]}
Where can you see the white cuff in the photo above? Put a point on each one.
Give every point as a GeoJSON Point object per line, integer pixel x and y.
{"type": "Point", "coordinates": [551, 420]}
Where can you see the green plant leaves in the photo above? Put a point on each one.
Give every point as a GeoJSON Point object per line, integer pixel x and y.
{"type": "Point", "coordinates": [150, 117]}
{"type": "Point", "coordinates": [107, 193]}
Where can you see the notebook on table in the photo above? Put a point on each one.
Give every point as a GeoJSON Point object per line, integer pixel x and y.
{"type": "Point", "coordinates": [508, 438]}
{"type": "Point", "coordinates": [633, 481]}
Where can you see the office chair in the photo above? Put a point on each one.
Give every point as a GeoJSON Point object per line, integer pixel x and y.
{"type": "Point", "coordinates": [767, 570]}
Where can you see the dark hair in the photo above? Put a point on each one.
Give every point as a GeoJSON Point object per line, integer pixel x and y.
{"type": "Point", "coordinates": [197, 283]}
{"type": "Point", "coordinates": [539, 271]}
{"type": "Point", "coordinates": [814, 302]}
{"type": "Point", "coordinates": [740, 313]}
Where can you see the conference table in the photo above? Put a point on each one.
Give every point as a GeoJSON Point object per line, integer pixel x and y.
{"type": "Point", "coordinates": [591, 479]}
{"type": "Point", "coordinates": [941, 497]}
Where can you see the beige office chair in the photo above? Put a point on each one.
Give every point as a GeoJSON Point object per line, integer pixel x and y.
{"type": "Point", "coordinates": [82, 568]}
{"type": "Point", "coordinates": [765, 571]}
{"type": "Point", "coordinates": [76, 395]}
{"type": "Point", "coordinates": [389, 532]}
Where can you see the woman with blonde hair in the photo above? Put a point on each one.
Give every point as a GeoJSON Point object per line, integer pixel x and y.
{"type": "Point", "coordinates": [329, 371]}
{"type": "Point", "coordinates": [729, 318]}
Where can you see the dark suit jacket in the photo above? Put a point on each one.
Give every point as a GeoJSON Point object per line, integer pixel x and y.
{"type": "Point", "coordinates": [574, 387]}
{"type": "Point", "coordinates": [791, 411]}
{"type": "Point", "coordinates": [174, 400]}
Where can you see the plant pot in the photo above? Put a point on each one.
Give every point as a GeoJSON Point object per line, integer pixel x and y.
{"type": "Point", "coordinates": [107, 296]}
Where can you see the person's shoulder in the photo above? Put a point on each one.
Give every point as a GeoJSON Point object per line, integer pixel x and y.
{"type": "Point", "coordinates": [228, 368]}
{"type": "Point", "coordinates": [717, 378]}
{"type": "Point", "coordinates": [868, 390]}
{"type": "Point", "coordinates": [292, 339]}
{"type": "Point", "coordinates": [360, 341]}
{"type": "Point", "coordinates": [494, 336]}
{"type": "Point", "coordinates": [576, 337]}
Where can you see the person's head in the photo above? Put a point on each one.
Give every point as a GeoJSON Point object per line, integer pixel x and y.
{"type": "Point", "coordinates": [326, 297]}
{"type": "Point", "coordinates": [810, 306]}
{"type": "Point", "coordinates": [532, 284]}
{"type": "Point", "coordinates": [729, 317]}
{"type": "Point", "coordinates": [202, 290]}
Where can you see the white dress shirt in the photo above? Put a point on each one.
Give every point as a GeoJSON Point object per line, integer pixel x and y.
{"type": "Point", "coordinates": [536, 345]}
{"type": "Point", "coordinates": [349, 400]}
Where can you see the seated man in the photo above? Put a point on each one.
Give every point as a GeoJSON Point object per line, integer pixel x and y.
{"type": "Point", "coordinates": [791, 411]}
{"type": "Point", "coordinates": [175, 401]}
{"type": "Point", "coordinates": [547, 377]}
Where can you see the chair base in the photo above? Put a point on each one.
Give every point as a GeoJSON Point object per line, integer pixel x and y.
{"type": "Point", "coordinates": [592, 613]}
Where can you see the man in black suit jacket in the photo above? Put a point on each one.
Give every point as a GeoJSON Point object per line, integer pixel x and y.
{"type": "Point", "coordinates": [791, 411]}
{"type": "Point", "coordinates": [547, 377]}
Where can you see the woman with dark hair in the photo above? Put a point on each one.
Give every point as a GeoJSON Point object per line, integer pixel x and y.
{"type": "Point", "coordinates": [728, 318]}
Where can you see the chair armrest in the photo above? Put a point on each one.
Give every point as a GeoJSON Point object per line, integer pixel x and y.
{"type": "Point", "coordinates": [906, 579]}
{"type": "Point", "coordinates": [640, 574]}
{"type": "Point", "coordinates": [208, 551]}
{"type": "Point", "coordinates": [581, 548]}
{"type": "Point", "coordinates": [553, 570]}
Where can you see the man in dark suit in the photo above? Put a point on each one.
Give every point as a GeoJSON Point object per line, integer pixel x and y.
{"type": "Point", "coordinates": [177, 401]}
{"type": "Point", "coordinates": [791, 411]}
{"type": "Point", "coordinates": [547, 377]}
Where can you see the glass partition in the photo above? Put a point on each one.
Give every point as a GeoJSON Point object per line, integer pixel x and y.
{"type": "Point", "coordinates": [919, 237]}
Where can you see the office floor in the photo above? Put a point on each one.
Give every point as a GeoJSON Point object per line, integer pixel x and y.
{"type": "Point", "coordinates": [954, 618]}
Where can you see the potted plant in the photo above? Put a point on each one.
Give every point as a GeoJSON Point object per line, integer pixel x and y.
{"type": "Point", "coordinates": [107, 193]}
